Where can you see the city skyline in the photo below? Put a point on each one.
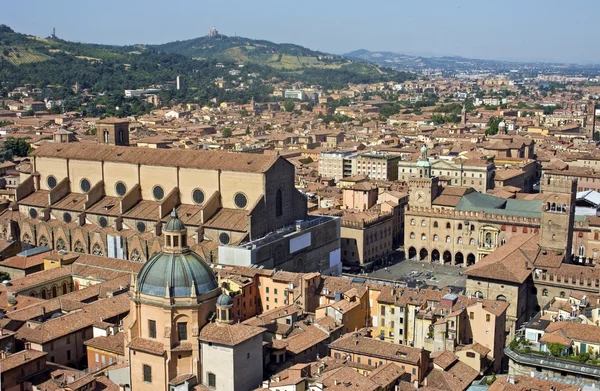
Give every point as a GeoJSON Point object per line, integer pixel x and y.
{"type": "Point", "coordinates": [463, 28]}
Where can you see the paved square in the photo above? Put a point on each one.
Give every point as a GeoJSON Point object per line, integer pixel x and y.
{"type": "Point", "coordinates": [415, 272]}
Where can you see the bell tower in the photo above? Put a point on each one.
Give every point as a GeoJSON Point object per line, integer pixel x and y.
{"type": "Point", "coordinates": [558, 213]}
{"type": "Point", "coordinates": [113, 131]}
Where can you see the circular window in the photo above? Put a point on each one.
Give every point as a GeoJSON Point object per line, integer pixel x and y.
{"type": "Point", "coordinates": [67, 217]}
{"type": "Point", "coordinates": [102, 222]}
{"type": "Point", "coordinates": [158, 193]}
{"type": "Point", "coordinates": [141, 226]}
{"type": "Point", "coordinates": [224, 238]}
{"type": "Point", "coordinates": [240, 200]}
{"type": "Point", "coordinates": [33, 213]}
{"type": "Point", "coordinates": [198, 196]}
{"type": "Point", "coordinates": [51, 181]}
{"type": "Point", "coordinates": [120, 189]}
{"type": "Point", "coordinates": [85, 185]}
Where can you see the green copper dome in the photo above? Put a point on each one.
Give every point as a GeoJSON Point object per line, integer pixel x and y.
{"type": "Point", "coordinates": [176, 268]}
{"type": "Point", "coordinates": [174, 224]}
{"type": "Point", "coordinates": [179, 271]}
{"type": "Point", "coordinates": [224, 300]}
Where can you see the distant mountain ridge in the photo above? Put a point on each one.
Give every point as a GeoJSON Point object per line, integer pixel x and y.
{"type": "Point", "coordinates": [453, 63]}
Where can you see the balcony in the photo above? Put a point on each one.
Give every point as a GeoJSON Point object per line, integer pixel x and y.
{"type": "Point", "coordinates": [539, 359]}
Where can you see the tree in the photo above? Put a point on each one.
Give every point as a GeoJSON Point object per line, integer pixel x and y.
{"type": "Point", "coordinates": [248, 129]}
{"type": "Point", "coordinates": [289, 106]}
{"type": "Point", "coordinates": [493, 125]}
{"type": "Point", "coordinates": [17, 146]}
{"type": "Point", "coordinates": [555, 349]}
{"type": "Point", "coordinates": [4, 276]}
{"type": "Point", "coordinates": [227, 132]}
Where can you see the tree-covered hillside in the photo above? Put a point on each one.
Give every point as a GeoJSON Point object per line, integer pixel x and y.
{"type": "Point", "coordinates": [54, 62]}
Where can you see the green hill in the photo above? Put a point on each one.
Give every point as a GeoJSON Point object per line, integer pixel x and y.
{"type": "Point", "coordinates": [239, 49]}
{"type": "Point", "coordinates": [111, 69]}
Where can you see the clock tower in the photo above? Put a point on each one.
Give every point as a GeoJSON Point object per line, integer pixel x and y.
{"type": "Point", "coordinates": [422, 189]}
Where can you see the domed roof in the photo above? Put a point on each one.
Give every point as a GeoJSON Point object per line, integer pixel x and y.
{"type": "Point", "coordinates": [224, 300]}
{"type": "Point", "coordinates": [174, 224]}
{"type": "Point", "coordinates": [179, 271]}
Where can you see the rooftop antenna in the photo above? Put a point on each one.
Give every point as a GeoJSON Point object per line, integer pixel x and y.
{"type": "Point", "coordinates": [53, 32]}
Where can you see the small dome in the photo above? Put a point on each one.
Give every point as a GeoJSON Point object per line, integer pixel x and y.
{"type": "Point", "coordinates": [179, 271]}
{"type": "Point", "coordinates": [174, 224]}
{"type": "Point", "coordinates": [224, 300]}
{"type": "Point", "coordinates": [424, 148]}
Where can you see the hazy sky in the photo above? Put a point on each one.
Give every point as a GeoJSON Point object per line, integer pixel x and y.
{"type": "Point", "coordinates": [527, 30]}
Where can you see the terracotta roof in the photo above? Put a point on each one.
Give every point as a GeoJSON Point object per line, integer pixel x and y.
{"type": "Point", "coordinates": [376, 348]}
{"type": "Point", "coordinates": [457, 377]}
{"type": "Point", "coordinates": [24, 262]}
{"type": "Point", "coordinates": [528, 383]}
{"type": "Point", "coordinates": [207, 160]}
{"type": "Point", "coordinates": [230, 335]}
{"type": "Point", "coordinates": [477, 347]}
{"type": "Point", "coordinates": [74, 321]}
{"type": "Point", "coordinates": [577, 331]}
{"type": "Point", "coordinates": [229, 219]}
{"type": "Point", "coordinates": [509, 262]}
{"type": "Point", "coordinates": [444, 359]}
{"type": "Point", "coordinates": [386, 374]}
{"type": "Point", "coordinates": [111, 343]}
{"type": "Point", "coordinates": [17, 359]}
{"type": "Point", "coordinates": [147, 345]}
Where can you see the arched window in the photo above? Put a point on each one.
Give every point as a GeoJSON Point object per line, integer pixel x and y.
{"type": "Point", "coordinates": [64, 288]}
{"type": "Point", "coordinates": [423, 223]}
{"type": "Point", "coordinates": [412, 222]}
{"type": "Point", "coordinates": [60, 244]}
{"type": "Point", "coordinates": [412, 235]}
{"type": "Point", "coordinates": [581, 251]}
{"type": "Point", "coordinates": [448, 239]}
{"type": "Point", "coordinates": [78, 248]}
{"type": "Point", "coordinates": [459, 241]}
{"type": "Point", "coordinates": [106, 136]}
{"type": "Point", "coordinates": [423, 237]}
{"type": "Point", "coordinates": [548, 206]}
{"type": "Point", "coordinates": [488, 238]}
{"type": "Point", "coordinates": [435, 224]}
{"type": "Point", "coordinates": [278, 203]}
{"type": "Point", "coordinates": [478, 295]}
{"type": "Point", "coordinates": [553, 207]}
{"type": "Point", "coordinates": [502, 241]}
{"type": "Point", "coordinates": [136, 256]}
{"type": "Point", "coordinates": [459, 226]}
{"type": "Point", "coordinates": [44, 294]}
{"type": "Point", "coordinates": [435, 238]}
{"type": "Point", "coordinates": [97, 250]}
{"type": "Point", "coordinates": [472, 241]}
{"type": "Point", "coordinates": [54, 291]}
{"type": "Point", "coordinates": [501, 298]}
{"type": "Point", "coordinates": [545, 292]}
{"type": "Point", "coordinates": [564, 208]}
{"type": "Point", "coordinates": [472, 227]}
{"type": "Point", "coordinates": [448, 226]}
{"type": "Point", "coordinates": [562, 295]}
